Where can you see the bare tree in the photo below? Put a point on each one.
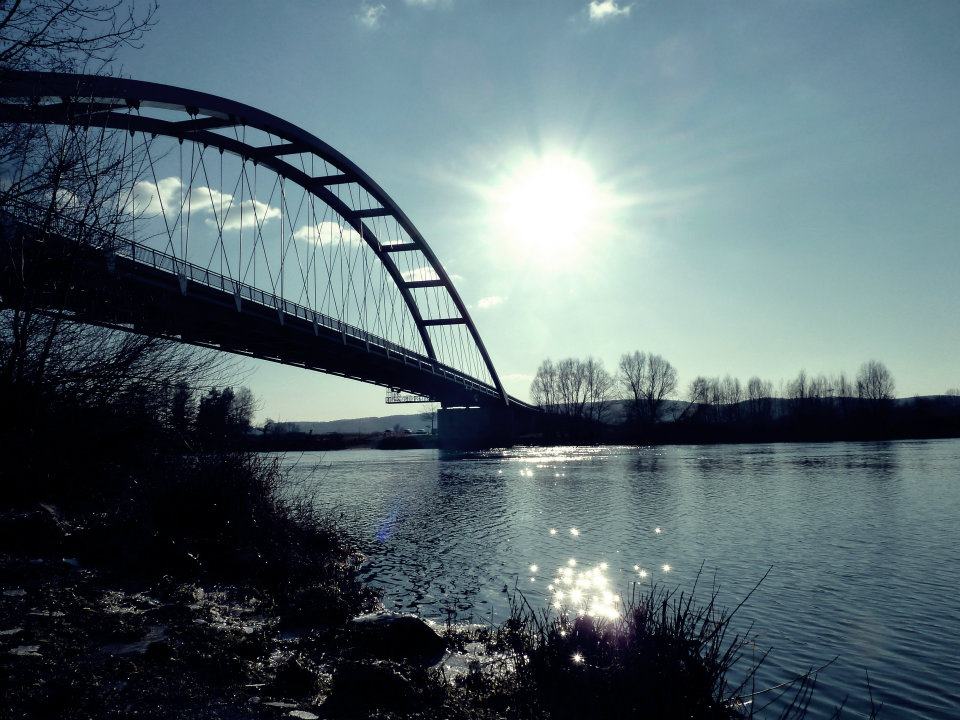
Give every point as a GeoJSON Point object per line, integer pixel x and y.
{"type": "Point", "coordinates": [731, 395]}
{"type": "Point", "coordinates": [874, 382]}
{"type": "Point", "coordinates": [599, 389]}
{"type": "Point", "coordinates": [661, 384]}
{"type": "Point", "coordinates": [36, 161]}
{"type": "Point", "coordinates": [820, 388]}
{"type": "Point", "coordinates": [632, 378]}
{"type": "Point", "coordinates": [843, 388]}
{"type": "Point", "coordinates": [243, 409]}
{"type": "Point", "coordinates": [798, 389]}
{"type": "Point", "coordinates": [759, 397]}
{"type": "Point", "coordinates": [699, 391]}
{"type": "Point", "coordinates": [68, 35]}
{"type": "Point", "coordinates": [571, 387]}
{"type": "Point", "coordinates": [647, 380]}
{"type": "Point", "coordinates": [578, 389]}
{"type": "Point", "coordinates": [543, 389]}
{"type": "Point", "coordinates": [702, 395]}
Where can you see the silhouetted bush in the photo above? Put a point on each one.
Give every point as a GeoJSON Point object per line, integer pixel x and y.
{"type": "Point", "coordinates": [232, 518]}
{"type": "Point", "coordinates": [666, 656]}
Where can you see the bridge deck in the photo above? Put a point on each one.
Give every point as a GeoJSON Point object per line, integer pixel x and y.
{"type": "Point", "coordinates": [159, 294]}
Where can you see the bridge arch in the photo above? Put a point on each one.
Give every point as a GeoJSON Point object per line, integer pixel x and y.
{"type": "Point", "coordinates": [207, 120]}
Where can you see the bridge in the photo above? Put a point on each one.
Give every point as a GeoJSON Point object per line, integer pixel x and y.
{"type": "Point", "coordinates": [221, 225]}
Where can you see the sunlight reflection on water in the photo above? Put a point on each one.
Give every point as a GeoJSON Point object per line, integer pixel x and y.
{"type": "Point", "coordinates": [589, 592]}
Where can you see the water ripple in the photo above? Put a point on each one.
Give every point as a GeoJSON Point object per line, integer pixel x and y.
{"type": "Point", "coordinates": [861, 537]}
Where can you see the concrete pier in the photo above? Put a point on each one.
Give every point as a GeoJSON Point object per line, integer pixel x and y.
{"type": "Point", "coordinates": [483, 427]}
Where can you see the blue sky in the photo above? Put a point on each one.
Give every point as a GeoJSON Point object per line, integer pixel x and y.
{"type": "Point", "coordinates": [775, 184]}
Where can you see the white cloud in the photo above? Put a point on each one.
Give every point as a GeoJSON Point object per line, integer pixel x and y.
{"type": "Point", "coordinates": [149, 198]}
{"type": "Point", "coordinates": [327, 233]}
{"type": "Point", "coordinates": [254, 211]}
{"type": "Point", "coordinates": [370, 13]}
{"type": "Point", "coordinates": [490, 301]}
{"type": "Point", "coordinates": [429, 3]}
{"type": "Point", "coordinates": [421, 273]}
{"type": "Point", "coordinates": [600, 11]}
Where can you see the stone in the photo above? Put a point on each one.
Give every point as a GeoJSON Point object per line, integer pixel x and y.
{"type": "Point", "coordinates": [37, 530]}
{"type": "Point", "coordinates": [296, 678]}
{"type": "Point", "coordinates": [397, 637]}
{"type": "Point", "coordinates": [158, 651]}
{"type": "Point", "coordinates": [26, 651]}
{"type": "Point", "coordinates": [361, 687]}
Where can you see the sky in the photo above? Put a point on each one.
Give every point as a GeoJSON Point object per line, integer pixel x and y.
{"type": "Point", "coordinates": [745, 188]}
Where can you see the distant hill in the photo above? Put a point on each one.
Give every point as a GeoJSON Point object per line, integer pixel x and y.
{"type": "Point", "coordinates": [363, 425]}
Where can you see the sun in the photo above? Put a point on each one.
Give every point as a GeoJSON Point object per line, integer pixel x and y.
{"type": "Point", "coordinates": [548, 208]}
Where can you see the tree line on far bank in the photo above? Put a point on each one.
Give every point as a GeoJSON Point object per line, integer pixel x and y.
{"type": "Point", "coordinates": [580, 396]}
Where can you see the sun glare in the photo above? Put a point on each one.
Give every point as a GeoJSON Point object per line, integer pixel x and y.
{"type": "Point", "coordinates": [549, 207]}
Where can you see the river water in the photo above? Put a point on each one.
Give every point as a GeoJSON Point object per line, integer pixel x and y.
{"type": "Point", "coordinates": [862, 541]}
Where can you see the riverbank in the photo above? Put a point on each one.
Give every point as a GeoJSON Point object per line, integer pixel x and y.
{"type": "Point", "coordinates": [292, 441]}
{"type": "Point", "coordinates": [78, 642]}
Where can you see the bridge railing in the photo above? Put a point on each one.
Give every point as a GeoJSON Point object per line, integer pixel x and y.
{"type": "Point", "coordinates": [59, 224]}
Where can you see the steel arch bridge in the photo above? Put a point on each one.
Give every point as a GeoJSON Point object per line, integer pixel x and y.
{"type": "Point", "coordinates": [244, 232]}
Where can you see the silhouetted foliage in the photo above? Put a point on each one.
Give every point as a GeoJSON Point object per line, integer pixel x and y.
{"type": "Point", "coordinates": [874, 382]}
{"type": "Point", "coordinates": [68, 35]}
{"type": "Point", "coordinates": [667, 656]}
{"type": "Point", "coordinates": [646, 381]}
{"type": "Point", "coordinates": [723, 409]}
{"type": "Point", "coordinates": [223, 416]}
{"type": "Point", "coordinates": [578, 391]}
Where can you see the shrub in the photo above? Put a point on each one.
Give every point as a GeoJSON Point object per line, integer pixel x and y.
{"type": "Point", "coordinates": [233, 518]}
{"type": "Point", "coordinates": [665, 656]}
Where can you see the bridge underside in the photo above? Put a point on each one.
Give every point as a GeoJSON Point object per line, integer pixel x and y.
{"type": "Point", "coordinates": [115, 291]}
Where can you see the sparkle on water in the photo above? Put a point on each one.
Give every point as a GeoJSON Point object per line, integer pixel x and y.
{"type": "Point", "coordinates": [587, 592]}
{"type": "Point", "coordinates": [584, 592]}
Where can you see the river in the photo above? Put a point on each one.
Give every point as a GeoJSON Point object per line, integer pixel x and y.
{"type": "Point", "coordinates": [862, 541]}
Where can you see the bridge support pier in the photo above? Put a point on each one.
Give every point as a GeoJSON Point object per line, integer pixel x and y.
{"type": "Point", "coordinates": [475, 427]}
{"type": "Point", "coordinates": [488, 426]}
